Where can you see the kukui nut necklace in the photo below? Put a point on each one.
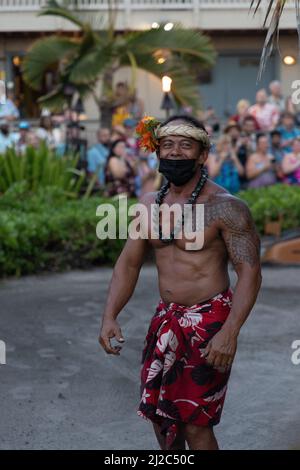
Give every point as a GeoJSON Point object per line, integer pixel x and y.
{"type": "Point", "coordinates": [159, 199]}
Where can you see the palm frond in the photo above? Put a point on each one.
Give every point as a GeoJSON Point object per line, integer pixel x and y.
{"type": "Point", "coordinates": [54, 8]}
{"type": "Point", "coordinates": [81, 62]}
{"type": "Point", "coordinates": [185, 91]}
{"type": "Point", "coordinates": [180, 40]}
{"type": "Point", "coordinates": [273, 28]}
{"type": "Point", "coordinates": [55, 100]}
{"type": "Point", "coordinates": [90, 43]}
{"type": "Point", "coordinates": [297, 5]}
{"type": "Point", "coordinates": [268, 11]}
{"type": "Point", "coordinates": [184, 86]}
{"type": "Point", "coordinates": [45, 53]}
{"type": "Point", "coordinates": [187, 51]}
{"type": "Point", "coordinates": [257, 5]}
{"type": "Point", "coordinates": [88, 40]}
{"type": "Point", "coordinates": [89, 66]}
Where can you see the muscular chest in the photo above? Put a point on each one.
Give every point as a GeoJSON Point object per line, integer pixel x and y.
{"type": "Point", "coordinates": [194, 234]}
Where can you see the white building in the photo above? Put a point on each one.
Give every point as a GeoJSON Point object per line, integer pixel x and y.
{"type": "Point", "coordinates": [236, 34]}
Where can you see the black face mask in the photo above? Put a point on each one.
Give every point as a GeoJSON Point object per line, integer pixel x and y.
{"type": "Point", "coordinates": [177, 172]}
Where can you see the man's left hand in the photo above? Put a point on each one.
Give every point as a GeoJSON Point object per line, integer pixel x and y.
{"type": "Point", "coordinates": [221, 350]}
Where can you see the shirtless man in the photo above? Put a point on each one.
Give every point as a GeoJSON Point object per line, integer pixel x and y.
{"type": "Point", "coordinates": [192, 338]}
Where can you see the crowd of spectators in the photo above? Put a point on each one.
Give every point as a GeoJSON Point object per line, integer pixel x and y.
{"type": "Point", "coordinates": [258, 146]}
{"type": "Point", "coordinates": [20, 134]}
{"type": "Point", "coordinates": [122, 167]}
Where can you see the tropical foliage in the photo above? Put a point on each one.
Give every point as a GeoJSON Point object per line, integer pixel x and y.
{"type": "Point", "coordinates": [80, 61]}
{"type": "Point", "coordinates": [45, 230]}
{"type": "Point", "coordinates": [272, 203]}
{"type": "Point", "coordinates": [275, 9]}
{"type": "Point", "coordinates": [40, 168]}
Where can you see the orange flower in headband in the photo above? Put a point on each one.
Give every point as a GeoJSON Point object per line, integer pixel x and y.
{"type": "Point", "coordinates": [146, 131]}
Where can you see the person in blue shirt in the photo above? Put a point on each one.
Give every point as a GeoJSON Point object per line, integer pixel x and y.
{"type": "Point", "coordinates": [224, 167]}
{"type": "Point", "coordinates": [22, 137]}
{"type": "Point", "coordinates": [288, 131]}
{"type": "Point", "coordinates": [97, 155]}
{"type": "Point", "coordinates": [8, 109]}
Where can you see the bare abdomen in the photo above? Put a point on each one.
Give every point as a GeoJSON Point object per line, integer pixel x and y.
{"type": "Point", "coordinates": [191, 279]}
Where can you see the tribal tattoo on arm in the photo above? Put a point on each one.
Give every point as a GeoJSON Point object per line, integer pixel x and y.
{"type": "Point", "coordinates": [237, 229]}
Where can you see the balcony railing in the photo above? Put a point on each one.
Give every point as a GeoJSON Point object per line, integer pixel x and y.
{"type": "Point", "coordinates": [139, 14]}
{"type": "Point", "coordinates": [34, 5]}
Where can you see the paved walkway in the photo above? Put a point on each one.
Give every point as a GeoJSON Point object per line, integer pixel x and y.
{"type": "Point", "coordinates": [60, 391]}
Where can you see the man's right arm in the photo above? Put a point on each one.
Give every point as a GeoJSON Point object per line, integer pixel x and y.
{"type": "Point", "coordinates": [122, 285]}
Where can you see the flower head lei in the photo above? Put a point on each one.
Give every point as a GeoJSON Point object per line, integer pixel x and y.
{"type": "Point", "coordinates": [150, 131]}
{"type": "Point", "coordinates": [146, 131]}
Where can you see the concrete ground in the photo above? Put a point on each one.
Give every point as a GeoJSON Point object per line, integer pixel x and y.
{"type": "Point", "coordinates": [58, 390]}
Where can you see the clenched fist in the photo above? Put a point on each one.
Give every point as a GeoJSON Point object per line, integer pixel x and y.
{"type": "Point", "coordinates": [110, 329]}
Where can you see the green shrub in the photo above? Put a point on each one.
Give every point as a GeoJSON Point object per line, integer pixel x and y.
{"type": "Point", "coordinates": [270, 203]}
{"type": "Point", "coordinates": [44, 230]}
{"type": "Point", "coordinates": [40, 168]}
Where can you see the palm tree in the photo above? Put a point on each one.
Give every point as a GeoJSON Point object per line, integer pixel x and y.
{"type": "Point", "coordinates": [273, 28]}
{"type": "Point", "coordinates": [80, 61]}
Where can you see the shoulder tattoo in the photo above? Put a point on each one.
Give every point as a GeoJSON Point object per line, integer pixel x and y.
{"type": "Point", "coordinates": [237, 228]}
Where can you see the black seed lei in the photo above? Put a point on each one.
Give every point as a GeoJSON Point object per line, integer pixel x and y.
{"type": "Point", "coordinates": [159, 199]}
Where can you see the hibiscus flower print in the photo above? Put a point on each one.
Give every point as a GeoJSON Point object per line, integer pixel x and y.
{"type": "Point", "coordinates": [154, 370]}
{"type": "Point", "coordinates": [191, 318]}
{"type": "Point", "coordinates": [215, 394]}
{"type": "Point", "coordinates": [176, 381]}
{"type": "Point", "coordinates": [196, 337]}
{"type": "Point", "coordinates": [223, 300]}
{"type": "Point", "coordinates": [145, 395]}
{"type": "Point", "coordinates": [161, 413]}
{"type": "Point", "coordinates": [170, 358]}
{"type": "Point", "coordinates": [168, 338]}
{"type": "Point", "coordinates": [161, 327]}
{"type": "Point", "coordinates": [161, 313]}
{"type": "Point", "coordinates": [217, 297]}
{"type": "Point", "coordinates": [226, 301]}
{"type": "Point", "coordinates": [161, 394]}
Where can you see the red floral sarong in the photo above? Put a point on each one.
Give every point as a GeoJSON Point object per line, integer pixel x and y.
{"type": "Point", "coordinates": [177, 384]}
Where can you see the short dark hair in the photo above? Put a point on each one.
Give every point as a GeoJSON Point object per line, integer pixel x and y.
{"type": "Point", "coordinates": [259, 135]}
{"type": "Point", "coordinates": [123, 84]}
{"type": "Point", "coordinates": [112, 150]}
{"type": "Point", "coordinates": [275, 132]}
{"type": "Point", "coordinates": [288, 114]}
{"type": "Point", "coordinates": [249, 118]}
